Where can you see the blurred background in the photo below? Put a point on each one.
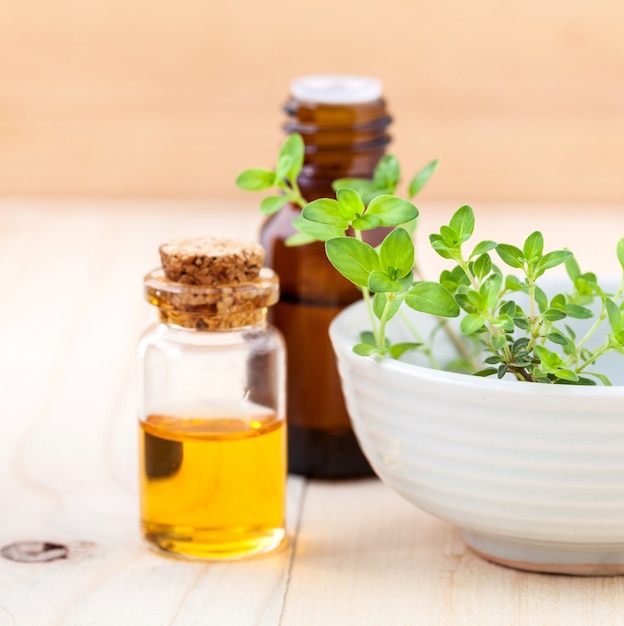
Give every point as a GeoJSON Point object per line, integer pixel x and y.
{"type": "Point", "coordinates": [520, 101]}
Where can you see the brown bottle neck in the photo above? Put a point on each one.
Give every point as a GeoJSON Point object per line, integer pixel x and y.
{"type": "Point", "coordinates": [341, 141]}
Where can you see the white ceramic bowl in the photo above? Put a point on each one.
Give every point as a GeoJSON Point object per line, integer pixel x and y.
{"type": "Point", "coordinates": [531, 475]}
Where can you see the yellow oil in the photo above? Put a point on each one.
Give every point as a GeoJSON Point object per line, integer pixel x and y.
{"type": "Point", "coordinates": [213, 488]}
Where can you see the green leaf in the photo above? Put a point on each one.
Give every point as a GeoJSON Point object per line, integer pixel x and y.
{"type": "Point", "coordinates": [364, 349]}
{"type": "Point", "coordinates": [539, 376]}
{"type": "Point", "coordinates": [498, 341]}
{"type": "Point", "coordinates": [483, 247]}
{"type": "Point", "coordinates": [553, 315]}
{"type": "Point", "coordinates": [349, 204]}
{"type": "Point", "coordinates": [399, 349]}
{"type": "Point", "coordinates": [421, 178]}
{"type": "Point", "coordinates": [397, 253]}
{"type": "Point", "coordinates": [490, 289]}
{"type": "Point", "coordinates": [477, 299]}
{"type": "Point", "coordinates": [533, 247]}
{"type": "Point", "coordinates": [320, 232]}
{"type": "Point", "coordinates": [325, 211]}
{"type": "Point", "coordinates": [433, 298]}
{"type": "Point", "coordinates": [450, 236]}
{"type": "Point", "coordinates": [462, 300]}
{"type": "Point", "coordinates": [387, 173]}
{"type": "Point", "coordinates": [256, 179]}
{"type": "Point", "coordinates": [548, 360]}
{"type": "Point", "coordinates": [510, 255]}
{"type": "Point", "coordinates": [456, 275]}
{"type": "Point", "coordinates": [556, 337]}
{"type": "Point", "coordinates": [488, 371]}
{"type": "Point", "coordinates": [616, 339]}
{"type": "Point", "coordinates": [508, 308]}
{"type": "Point", "coordinates": [615, 315]}
{"type": "Point", "coordinates": [368, 337]}
{"type": "Point", "coordinates": [551, 362]}
{"type": "Point", "coordinates": [379, 281]}
{"type": "Point", "coordinates": [379, 304]}
{"type": "Point", "coordinates": [552, 259]}
{"type": "Point", "coordinates": [504, 322]}
{"type": "Point", "coordinates": [364, 187]}
{"type": "Point", "coordinates": [620, 252]}
{"type": "Point", "coordinates": [365, 222]}
{"type": "Point", "coordinates": [572, 268]}
{"type": "Point", "coordinates": [601, 377]}
{"type": "Point", "coordinates": [272, 204]}
{"type": "Point", "coordinates": [354, 259]}
{"type": "Point", "coordinates": [293, 148]}
{"type": "Point", "coordinates": [284, 164]}
{"type": "Point", "coordinates": [392, 211]}
{"type": "Point", "coordinates": [406, 281]}
{"type": "Point", "coordinates": [471, 323]}
{"type": "Point", "coordinates": [582, 380]}
{"type": "Point", "coordinates": [541, 299]}
{"type": "Point", "coordinates": [522, 323]}
{"type": "Point", "coordinates": [463, 222]}
{"type": "Point", "coordinates": [445, 251]}
{"type": "Point", "coordinates": [300, 239]}
{"type": "Point", "coordinates": [578, 312]}
{"type": "Point", "coordinates": [482, 266]}
{"type": "Point", "coordinates": [566, 374]}
{"type": "Point", "coordinates": [513, 283]}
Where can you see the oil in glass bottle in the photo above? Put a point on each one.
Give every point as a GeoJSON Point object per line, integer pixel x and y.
{"type": "Point", "coordinates": [212, 417]}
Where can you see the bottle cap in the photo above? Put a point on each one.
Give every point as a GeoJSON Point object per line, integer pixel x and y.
{"type": "Point", "coordinates": [211, 260]}
{"type": "Point", "coordinates": [212, 283]}
{"type": "Point", "coordinates": [336, 89]}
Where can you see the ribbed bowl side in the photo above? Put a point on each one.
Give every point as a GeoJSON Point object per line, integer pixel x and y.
{"type": "Point", "coordinates": [534, 461]}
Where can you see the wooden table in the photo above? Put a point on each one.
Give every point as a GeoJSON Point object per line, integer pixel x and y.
{"type": "Point", "coordinates": [72, 310]}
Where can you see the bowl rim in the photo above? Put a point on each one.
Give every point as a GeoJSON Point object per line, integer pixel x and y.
{"type": "Point", "coordinates": [339, 335]}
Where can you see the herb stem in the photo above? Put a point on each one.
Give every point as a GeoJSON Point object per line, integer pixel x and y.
{"type": "Point", "coordinates": [469, 274]}
{"type": "Point", "coordinates": [601, 317]}
{"type": "Point", "coordinates": [369, 302]}
{"type": "Point", "coordinates": [381, 340]}
{"type": "Point", "coordinates": [455, 339]}
{"type": "Point", "coordinates": [535, 320]}
{"type": "Point", "coordinates": [426, 349]}
{"type": "Point", "coordinates": [293, 193]}
{"type": "Point", "coordinates": [598, 353]}
{"type": "Point", "coordinates": [489, 317]}
{"type": "Point", "coordinates": [459, 344]}
{"type": "Point", "coordinates": [371, 313]}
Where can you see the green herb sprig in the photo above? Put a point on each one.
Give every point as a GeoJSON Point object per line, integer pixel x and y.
{"type": "Point", "coordinates": [283, 177]}
{"type": "Point", "coordinates": [526, 337]}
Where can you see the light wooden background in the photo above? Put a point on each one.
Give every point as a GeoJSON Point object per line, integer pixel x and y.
{"type": "Point", "coordinates": [112, 98]}
{"type": "Point", "coordinates": [359, 555]}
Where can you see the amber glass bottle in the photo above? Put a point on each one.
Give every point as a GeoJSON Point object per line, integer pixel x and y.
{"type": "Point", "coordinates": [343, 121]}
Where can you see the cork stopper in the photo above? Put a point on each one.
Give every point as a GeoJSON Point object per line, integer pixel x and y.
{"type": "Point", "coordinates": [211, 283]}
{"type": "Point", "coordinates": [211, 260]}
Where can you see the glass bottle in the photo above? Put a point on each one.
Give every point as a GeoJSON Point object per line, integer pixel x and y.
{"type": "Point", "coordinates": [212, 418]}
{"type": "Point", "coordinates": [343, 121]}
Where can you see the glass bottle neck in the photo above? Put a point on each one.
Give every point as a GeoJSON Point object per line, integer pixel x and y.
{"type": "Point", "coordinates": [212, 307]}
{"type": "Point", "coordinates": [182, 320]}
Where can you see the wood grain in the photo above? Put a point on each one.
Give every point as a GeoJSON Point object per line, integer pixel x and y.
{"type": "Point", "coordinates": [72, 311]}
